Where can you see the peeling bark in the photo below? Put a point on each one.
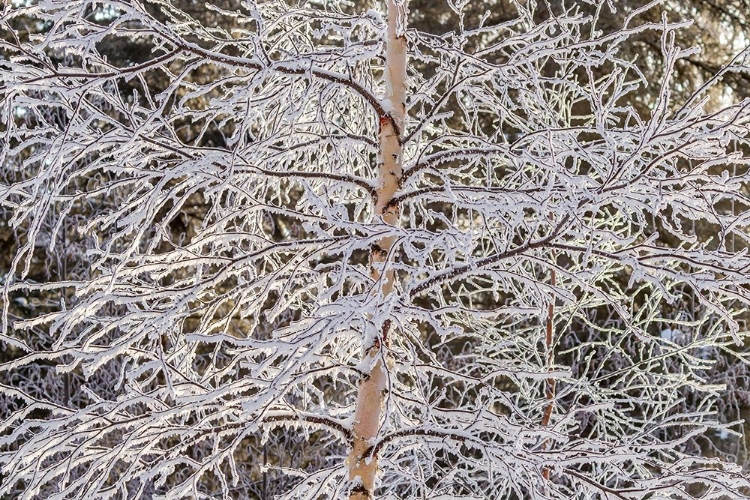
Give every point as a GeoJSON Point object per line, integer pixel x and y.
{"type": "Point", "coordinates": [362, 468]}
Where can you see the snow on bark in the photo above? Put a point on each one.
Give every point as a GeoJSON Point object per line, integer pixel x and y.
{"type": "Point", "coordinates": [363, 466]}
{"type": "Point", "coordinates": [306, 251]}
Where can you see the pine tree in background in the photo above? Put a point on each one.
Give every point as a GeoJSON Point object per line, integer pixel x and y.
{"type": "Point", "coordinates": [368, 259]}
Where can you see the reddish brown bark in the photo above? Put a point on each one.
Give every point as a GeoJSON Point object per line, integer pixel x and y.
{"type": "Point", "coordinates": [549, 341]}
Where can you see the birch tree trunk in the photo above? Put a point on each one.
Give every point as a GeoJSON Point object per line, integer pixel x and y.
{"type": "Point", "coordinates": [362, 468]}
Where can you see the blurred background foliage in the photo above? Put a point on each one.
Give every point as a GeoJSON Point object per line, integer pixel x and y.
{"type": "Point", "coordinates": [720, 28]}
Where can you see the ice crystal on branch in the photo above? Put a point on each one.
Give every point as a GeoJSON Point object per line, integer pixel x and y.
{"type": "Point", "coordinates": [277, 220]}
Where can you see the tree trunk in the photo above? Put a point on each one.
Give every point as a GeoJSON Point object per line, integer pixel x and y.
{"type": "Point", "coordinates": [362, 468]}
{"type": "Point", "coordinates": [550, 343]}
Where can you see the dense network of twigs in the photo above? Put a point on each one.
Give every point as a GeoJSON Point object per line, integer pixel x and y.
{"type": "Point", "coordinates": [221, 228]}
